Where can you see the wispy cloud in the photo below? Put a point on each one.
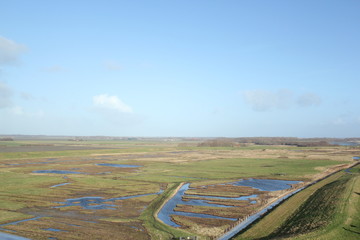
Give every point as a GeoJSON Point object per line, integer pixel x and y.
{"type": "Point", "coordinates": [17, 110]}
{"type": "Point", "coordinates": [10, 51]}
{"type": "Point", "coordinates": [265, 100]}
{"type": "Point", "coordinates": [5, 96]}
{"type": "Point", "coordinates": [107, 102]}
{"type": "Point", "coordinates": [27, 96]}
{"type": "Point", "coordinates": [308, 99]}
{"type": "Point", "coordinates": [346, 119]}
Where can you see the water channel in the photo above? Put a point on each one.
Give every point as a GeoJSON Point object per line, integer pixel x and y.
{"type": "Point", "coordinates": [168, 209]}
{"type": "Point", "coordinates": [262, 184]}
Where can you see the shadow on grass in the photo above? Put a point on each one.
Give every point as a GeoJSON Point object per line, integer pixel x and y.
{"type": "Point", "coordinates": [349, 230]}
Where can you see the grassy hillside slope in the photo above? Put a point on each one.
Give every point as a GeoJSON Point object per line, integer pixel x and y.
{"type": "Point", "coordinates": [326, 210]}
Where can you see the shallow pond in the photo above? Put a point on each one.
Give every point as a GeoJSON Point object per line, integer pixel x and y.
{"type": "Point", "coordinates": [266, 184]}
{"type": "Point", "coordinates": [118, 165]}
{"type": "Point", "coordinates": [94, 203]}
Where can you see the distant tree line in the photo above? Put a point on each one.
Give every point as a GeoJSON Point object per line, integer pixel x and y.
{"type": "Point", "coordinates": [236, 142]}
{"type": "Point", "coordinates": [220, 142]}
{"type": "Point", "coordinates": [6, 139]}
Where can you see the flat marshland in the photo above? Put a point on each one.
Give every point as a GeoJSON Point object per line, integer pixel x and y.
{"type": "Point", "coordinates": [113, 189]}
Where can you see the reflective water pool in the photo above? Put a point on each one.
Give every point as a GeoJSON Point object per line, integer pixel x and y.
{"type": "Point", "coordinates": [94, 203]}
{"type": "Point", "coordinates": [266, 184]}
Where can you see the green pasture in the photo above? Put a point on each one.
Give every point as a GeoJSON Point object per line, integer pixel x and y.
{"type": "Point", "coordinates": [115, 186]}
{"type": "Point", "coordinates": [76, 153]}
{"type": "Point", "coordinates": [16, 187]}
{"type": "Point", "coordinates": [7, 216]}
{"type": "Point", "coordinates": [17, 183]}
{"type": "Point", "coordinates": [230, 169]}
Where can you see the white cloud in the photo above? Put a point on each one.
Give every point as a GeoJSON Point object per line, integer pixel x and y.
{"type": "Point", "coordinates": [263, 100]}
{"type": "Point", "coordinates": [10, 51]}
{"type": "Point", "coordinates": [107, 102]}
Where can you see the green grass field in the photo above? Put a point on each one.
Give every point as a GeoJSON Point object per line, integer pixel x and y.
{"type": "Point", "coordinates": [164, 165]}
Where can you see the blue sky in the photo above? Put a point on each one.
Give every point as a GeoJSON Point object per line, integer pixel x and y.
{"type": "Point", "coordinates": [180, 68]}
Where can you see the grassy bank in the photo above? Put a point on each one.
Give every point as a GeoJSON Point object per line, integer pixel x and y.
{"type": "Point", "coordinates": [326, 210]}
{"type": "Point", "coordinates": [156, 229]}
